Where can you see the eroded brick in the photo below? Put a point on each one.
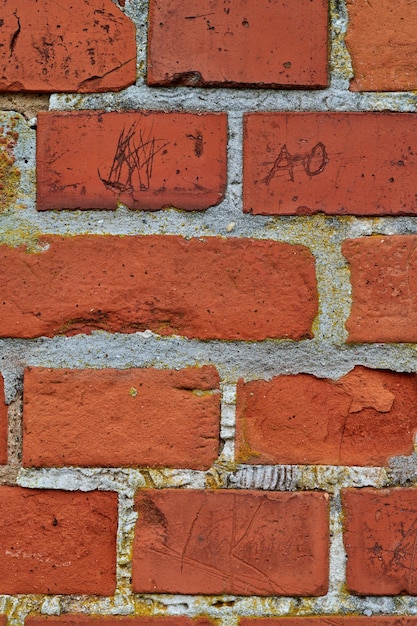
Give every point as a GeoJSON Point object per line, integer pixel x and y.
{"type": "Point", "coordinates": [363, 418]}
{"type": "Point", "coordinates": [113, 417]}
{"type": "Point", "coordinates": [380, 536]}
{"type": "Point", "coordinates": [332, 163]}
{"type": "Point", "coordinates": [57, 541]}
{"type": "Point", "coordinates": [147, 160]}
{"type": "Point", "coordinates": [238, 42]}
{"type": "Point", "coordinates": [44, 49]}
{"type": "Point", "coordinates": [208, 288]}
{"type": "Point", "coordinates": [247, 543]}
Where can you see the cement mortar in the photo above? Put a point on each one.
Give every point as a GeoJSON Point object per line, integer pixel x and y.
{"type": "Point", "coordinates": [325, 356]}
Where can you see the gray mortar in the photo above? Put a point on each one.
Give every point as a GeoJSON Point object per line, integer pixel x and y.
{"type": "Point", "coordinates": [325, 356]}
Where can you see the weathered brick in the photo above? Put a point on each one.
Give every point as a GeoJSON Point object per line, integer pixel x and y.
{"type": "Point", "coordinates": [332, 163]}
{"type": "Point", "coordinates": [363, 418]}
{"type": "Point", "coordinates": [113, 417]}
{"type": "Point", "coordinates": [44, 49]}
{"type": "Point", "coordinates": [239, 42]}
{"type": "Point", "coordinates": [380, 537]}
{"type": "Point", "coordinates": [102, 620]}
{"type": "Point", "coordinates": [57, 541]}
{"type": "Point", "coordinates": [147, 160]}
{"type": "Point", "coordinates": [208, 288]}
{"type": "Point", "coordinates": [213, 542]}
{"type": "Point", "coordinates": [384, 288]}
{"type": "Point", "coordinates": [325, 620]}
{"type": "Point", "coordinates": [3, 424]}
{"type": "Point", "coordinates": [381, 42]}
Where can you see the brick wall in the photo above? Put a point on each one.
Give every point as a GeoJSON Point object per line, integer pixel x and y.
{"type": "Point", "coordinates": [208, 313]}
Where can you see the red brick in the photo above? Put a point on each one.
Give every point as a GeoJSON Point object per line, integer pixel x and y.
{"type": "Point", "coordinates": [113, 417]}
{"type": "Point", "coordinates": [382, 44]}
{"type": "Point", "coordinates": [238, 42]}
{"type": "Point", "coordinates": [208, 288]}
{"type": "Point", "coordinates": [384, 288]}
{"type": "Point", "coordinates": [85, 620]}
{"type": "Point", "coordinates": [214, 542]}
{"type": "Point", "coordinates": [145, 160]}
{"type": "Point", "coordinates": [332, 163]}
{"type": "Point", "coordinates": [57, 541]}
{"type": "Point", "coordinates": [380, 538]}
{"type": "Point", "coordinates": [364, 418]}
{"type": "Point", "coordinates": [325, 620]}
{"type": "Point", "coordinates": [3, 424]}
{"type": "Point", "coordinates": [82, 45]}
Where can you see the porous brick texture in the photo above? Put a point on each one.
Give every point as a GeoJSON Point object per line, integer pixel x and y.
{"type": "Point", "coordinates": [43, 48]}
{"type": "Point", "coordinates": [384, 288]}
{"type": "Point", "coordinates": [238, 42]}
{"type": "Point", "coordinates": [364, 418]}
{"type": "Point", "coordinates": [146, 160]}
{"type": "Point", "coordinates": [246, 543]}
{"type": "Point", "coordinates": [113, 417]}
{"type": "Point", "coordinates": [333, 163]}
{"type": "Point", "coordinates": [208, 313]}
{"type": "Point", "coordinates": [57, 541]}
{"type": "Point", "coordinates": [380, 535]}
{"type": "Point", "coordinates": [207, 288]}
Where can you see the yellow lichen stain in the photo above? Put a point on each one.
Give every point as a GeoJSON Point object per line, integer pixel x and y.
{"type": "Point", "coordinates": [133, 392]}
{"type": "Point", "coordinates": [9, 173]}
{"type": "Point", "coordinates": [216, 476]}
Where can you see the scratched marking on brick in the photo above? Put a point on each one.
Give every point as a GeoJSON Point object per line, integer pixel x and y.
{"type": "Point", "coordinates": [333, 163]}
{"type": "Point", "coordinates": [146, 160]}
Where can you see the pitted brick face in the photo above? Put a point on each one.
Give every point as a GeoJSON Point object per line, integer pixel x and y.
{"type": "Point", "coordinates": [44, 49]}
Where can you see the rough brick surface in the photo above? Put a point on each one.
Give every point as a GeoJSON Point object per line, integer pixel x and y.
{"type": "Point", "coordinates": [333, 163]}
{"type": "Point", "coordinates": [57, 542]}
{"type": "Point", "coordinates": [209, 288]}
{"type": "Point", "coordinates": [85, 620]}
{"type": "Point", "coordinates": [113, 417]}
{"type": "Point", "coordinates": [380, 539]}
{"type": "Point", "coordinates": [382, 45]}
{"type": "Point", "coordinates": [235, 42]}
{"type": "Point", "coordinates": [145, 160]}
{"type": "Point", "coordinates": [214, 542]}
{"type": "Point", "coordinates": [384, 288]}
{"type": "Point", "coordinates": [325, 620]}
{"type": "Point", "coordinates": [364, 418]}
{"type": "Point", "coordinates": [43, 48]}
{"type": "Point", "coordinates": [3, 424]}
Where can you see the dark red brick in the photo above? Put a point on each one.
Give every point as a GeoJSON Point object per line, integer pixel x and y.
{"type": "Point", "coordinates": [332, 163]}
{"type": "Point", "coordinates": [238, 42]}
{"type": "Point", "coordinates": [113, 417]}
{"type": "Point", "coordinates": [247, 543]}
{"type": "Point", "coordinates": [57, 542]}
{"type": "Point", "coordinates": [363, 418]}
{"type": "Point", "coordinates": [145, 160]}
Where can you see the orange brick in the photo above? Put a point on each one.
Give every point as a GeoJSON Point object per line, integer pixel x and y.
{"type": "Point", "coordinates": [364, 418]}
{"type": "Point", "coordinates": [380, 536]}
{"type": "Point", "coordinates": [207, 288]}
{"type": "Point", "coordinates": [324, 620]}
{"type": "Point", "coordinates": [44, 49]}
{"type": "Point", "coordinates": [113, 417]}
{"type": "Point", "coordinates": [3, 424]}
{"type": "Point", "coordinates": [246, 543]}
{"type": "Point", "coordinates": [381, 42]}
{"type": "Point", "coordinates": [332, 163]}
{"type": "Point", "coordinates": [384, 288]}
{"type": "Point", "coordinates": [57, 542]}
{"type": "Point", "coordinates": [238, 42]}
{"type": "Point", "coordinates": [145, 160]}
